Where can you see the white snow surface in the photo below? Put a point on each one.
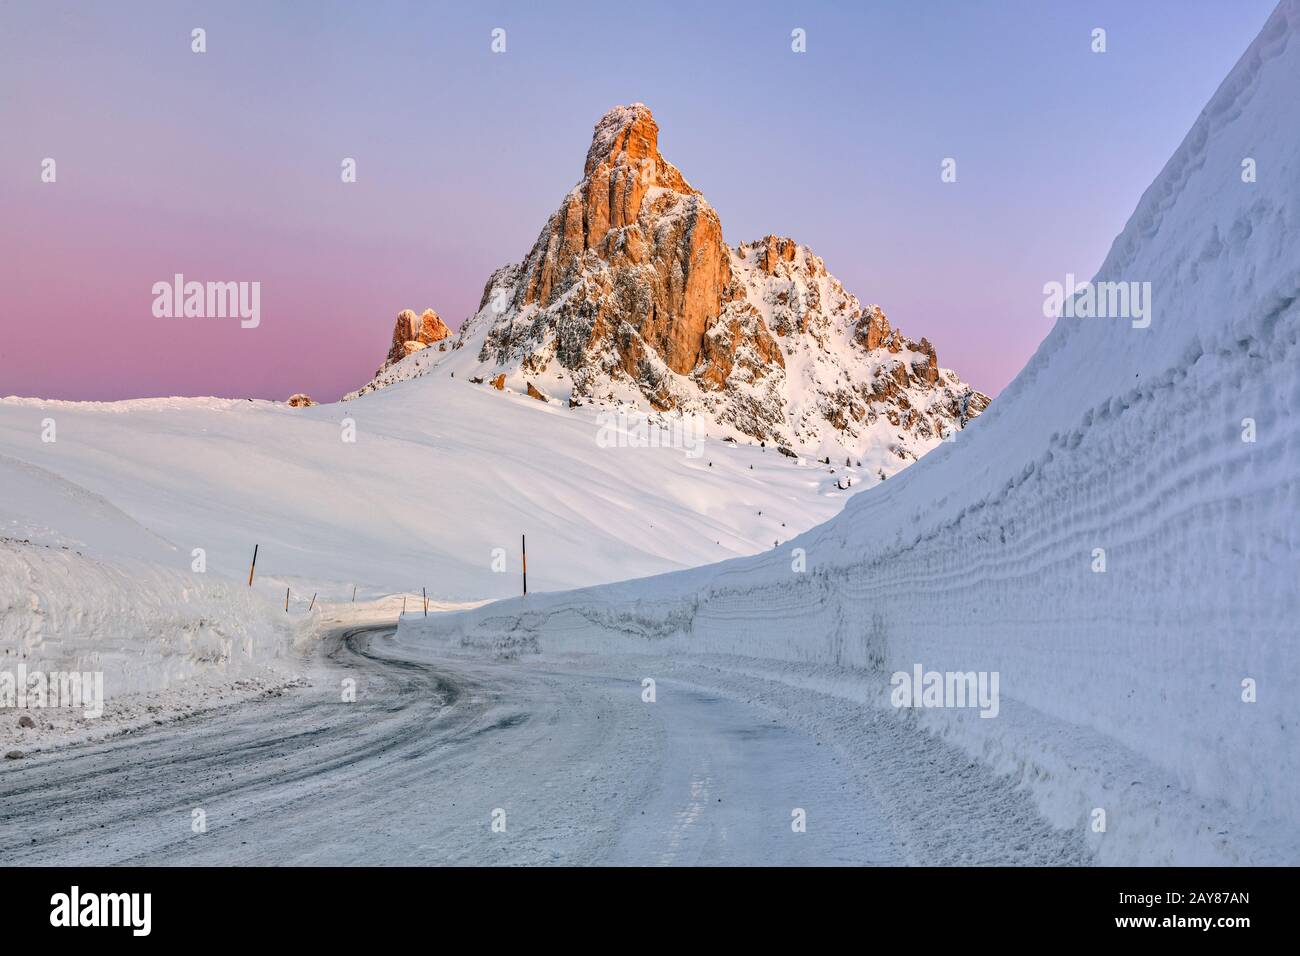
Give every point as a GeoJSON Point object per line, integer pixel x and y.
{"type": "Point", "coordinates": [1120, 690]}
{"type": "Point", "coordinates": [441, 473]}
{"type": "Point", "coordinates": [83, 587]}
{"type": "Point", "coordinates": [98, 528]}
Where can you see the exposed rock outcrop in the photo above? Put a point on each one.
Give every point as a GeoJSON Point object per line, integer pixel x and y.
{"type": "Point", "coordinates": [630, 294]}
{"type": "Point", "coordinates": [632, 264]}
{"type": "Point", "coordinates": [412, 333]}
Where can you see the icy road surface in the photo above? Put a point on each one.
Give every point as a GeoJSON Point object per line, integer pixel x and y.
{"type": "Point", "coordinates": [569, 758]}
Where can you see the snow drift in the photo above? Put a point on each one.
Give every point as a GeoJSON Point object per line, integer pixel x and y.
{"type": "Point", "coordinates": [1122, 689]}
{"type": "Point", "coordinates": [85, 588]}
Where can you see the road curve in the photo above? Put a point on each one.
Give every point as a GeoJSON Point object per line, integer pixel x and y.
{"type": "Point", "coordinates": [449, 761]}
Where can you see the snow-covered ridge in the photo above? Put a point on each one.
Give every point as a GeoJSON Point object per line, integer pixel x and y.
{"type": "Point", "coordinates": [1123, 689]}
{"type": "Point", "coordinates": [630, 297]}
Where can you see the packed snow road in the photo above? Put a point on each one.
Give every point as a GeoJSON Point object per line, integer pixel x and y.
{"type": "Point", "coordinates": [462, 761]}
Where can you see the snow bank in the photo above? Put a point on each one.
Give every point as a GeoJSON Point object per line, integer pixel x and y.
{"type": "Point", "coordinates": [145, 627]}
{"type": "Point", "coordinates": [1122, 689]}
{"type": "Point", "coordinates": [85, 588]}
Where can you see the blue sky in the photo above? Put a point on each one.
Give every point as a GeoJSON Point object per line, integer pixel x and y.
{"type": "Point", "coordinates": [227, 163]}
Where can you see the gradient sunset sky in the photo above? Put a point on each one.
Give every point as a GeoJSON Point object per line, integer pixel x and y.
{"type": "Point", "coordinates": [226, 165]}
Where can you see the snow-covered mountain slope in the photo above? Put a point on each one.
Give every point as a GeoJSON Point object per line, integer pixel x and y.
{"type": "Point", "coordinates": [1126, 690]}
{"type": "Point", "coordinates": [429, 485]}
{"type": "Point", "coordinates": [98, 529]}
{"type": "Point", "coordinates": [442, 473]}
{"type": "Point", "coordinates": [630, 296]}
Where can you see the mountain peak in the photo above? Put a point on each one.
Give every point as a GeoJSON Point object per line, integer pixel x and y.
{"type": "Point", "coordinates": [624, 130]}
{"type": "Point", "coordinates": [630, 294]}
{"type": "Point", "coordinates": [625, 146]}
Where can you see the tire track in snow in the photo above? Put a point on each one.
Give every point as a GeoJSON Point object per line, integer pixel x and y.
{"type": "Point", "coordinates": [412, 772]}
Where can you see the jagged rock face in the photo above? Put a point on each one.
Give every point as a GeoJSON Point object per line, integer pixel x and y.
{"type": "Point", "coordinates": [633, 261]}
{"type": "Point", "coordinates": [300, 400]}
{"type": "Point", "coordinates": [630, 295]}
{"type": "Point", "coordinates": [872, 331]}
{"type": "Point", "coordinates": [411, 334]}
{"type": "Point", "coordinates": [844, 373]}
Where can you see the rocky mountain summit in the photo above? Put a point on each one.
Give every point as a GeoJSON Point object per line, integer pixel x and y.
{"type": "Point", "coordinates": [413, 333]}
{"type": "Point", "coordinates": [630, 295]}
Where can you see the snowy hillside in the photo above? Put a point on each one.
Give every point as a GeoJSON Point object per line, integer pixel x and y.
{"type": "Point", "coordinates": [1116, 536]}
{"type": "Point", "coordinates": [631, 297]}
{"type": "Point", "coordinates": [440, 474]}
{"type": "Point", "coordinates": [428, 486]}
{"type": "Point", "coordinates": [98, 528]}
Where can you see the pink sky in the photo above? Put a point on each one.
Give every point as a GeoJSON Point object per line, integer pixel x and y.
{"type": "Point", "coordinates": [225, 165]}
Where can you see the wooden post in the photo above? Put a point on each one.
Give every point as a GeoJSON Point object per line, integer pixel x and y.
{"type": "Point", "coordinates": [252, 566]}
{"type": "Point", "coordinates": [523, 545]}
{"type": "Point", "coordinates": [286, 600]}
{"type": "Point", "coordinates": [426, 601]}
{"type": "Point", "coordinates": [313, 602]}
